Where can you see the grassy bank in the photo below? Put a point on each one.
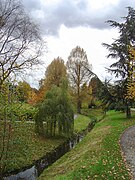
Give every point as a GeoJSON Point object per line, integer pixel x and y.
{"type": "Point", "coordinates": [26, 147]}
{"type": "Point", "coordinates": [98, 156]}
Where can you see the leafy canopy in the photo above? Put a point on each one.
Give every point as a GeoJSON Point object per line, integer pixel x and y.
{"type": "Point", "coordinates": [56, 111]}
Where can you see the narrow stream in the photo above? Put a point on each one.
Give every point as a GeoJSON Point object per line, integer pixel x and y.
{"type": "Point", "coordinates": [36, 169]}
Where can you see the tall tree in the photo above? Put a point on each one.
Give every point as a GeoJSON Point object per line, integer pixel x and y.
{"type": "Point", "coordinates": [20, 41]}
{"type": "Point", "coordinates": [55, 72]}
{"type": "Point", "coordinates": [119, 50]}
{"type": "Point", "coordinates": [78, 72]}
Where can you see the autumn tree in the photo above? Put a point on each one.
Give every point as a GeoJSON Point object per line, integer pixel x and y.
{"type": "Point", "coordinates": [33, 96]}
{"type": "Point", "coordinates": [20, 41]}
{"type": "Point", "coordinates": [79, 72]}
{"type": "Point", "coordinates": [25, 93]}
{"type": "Point", "coordinates": [119, 50]}
{"type": "Point", "coordinates": [55, 72]}
{"type": "Point", "coordinates": [131, 79]}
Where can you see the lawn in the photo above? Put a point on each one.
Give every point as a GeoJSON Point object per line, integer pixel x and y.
{"type": "Point", "coordinates": [98, 156]}
{"type": "Point", "coordinates": [26, 147]}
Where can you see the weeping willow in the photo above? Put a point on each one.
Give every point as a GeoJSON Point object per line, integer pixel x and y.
{"type": "Point", "coordinates": [55, 115]}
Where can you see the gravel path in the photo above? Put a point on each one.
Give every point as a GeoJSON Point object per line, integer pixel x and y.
{"type": "Point", "coordinates": [127, 142]}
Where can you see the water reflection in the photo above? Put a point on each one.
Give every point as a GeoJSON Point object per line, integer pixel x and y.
{"type": "Point", "coordinates": [29, 174]}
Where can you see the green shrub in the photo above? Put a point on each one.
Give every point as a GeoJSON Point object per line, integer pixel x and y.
{"type": "Point", "coordinates": [18, 112]}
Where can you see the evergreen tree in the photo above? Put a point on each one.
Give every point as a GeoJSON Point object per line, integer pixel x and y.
{"type": "Point", "coordinates": [119, 50]}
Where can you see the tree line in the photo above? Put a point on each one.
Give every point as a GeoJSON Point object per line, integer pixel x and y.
{"type": "Point", "coordinates": [66, 87]}
{"type": "Point", "coordinates": [77, 70]}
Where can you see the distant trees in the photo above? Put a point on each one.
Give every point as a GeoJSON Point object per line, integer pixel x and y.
{"type": "Point", "coordinates": [23, 91]}
{"type": "Point", "coordinates": [20, 41]}
{"type": "Point", "coordinates": [119, 50]}
{"type": "Point", "coordinates": [79, 72]}
{"type": "Point", "coordinates": [86, 95]}
{"type": "Point", "coordinates": [56, 111]}
{"type": "Point", "coordinates": [95, 87]}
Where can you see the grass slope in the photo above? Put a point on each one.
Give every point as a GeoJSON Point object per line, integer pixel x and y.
{"type": "Point", "coordinates": [98, 156]}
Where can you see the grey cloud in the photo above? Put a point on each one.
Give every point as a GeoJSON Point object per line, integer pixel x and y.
{"type": "Point", "coordinates": [32, 5]}
{"type": "Point", "coordinates": [74, 13]}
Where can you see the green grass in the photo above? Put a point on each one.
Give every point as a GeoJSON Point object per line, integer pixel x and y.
{"type": "Point", "coordinates": [95, 114]}
{"type": "Point", "coordinates": [26, 146]}
{"type": "Point", "coordinates": [98, 156]}
{"type": "Point", "coordinates": [81, 122]}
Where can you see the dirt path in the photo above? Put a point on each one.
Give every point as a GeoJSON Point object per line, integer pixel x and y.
{"type": "Point", "coordinates": [127, 142]}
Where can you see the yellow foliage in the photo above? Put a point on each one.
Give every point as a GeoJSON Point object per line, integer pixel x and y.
{"type": "Point", "coordinates": [131, 90]}
{"type": "Point", "coordinates": [131, 80]}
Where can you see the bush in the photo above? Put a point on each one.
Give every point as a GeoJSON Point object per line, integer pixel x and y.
{"type": "Point", "coordinates": [18, 112]}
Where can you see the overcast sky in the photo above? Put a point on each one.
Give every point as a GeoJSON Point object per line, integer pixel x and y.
{"type": "Point", "coordinates": [66, 24]}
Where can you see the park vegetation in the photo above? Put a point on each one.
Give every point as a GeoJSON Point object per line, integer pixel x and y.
{"type": "Point", "coordinates": [67, 88]}
{"type": "Point", "coordinates": [98, 156]}
{"type": "Point", "coordinates": [119, 50]}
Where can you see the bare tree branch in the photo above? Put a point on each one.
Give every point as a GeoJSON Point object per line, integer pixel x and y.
{"type": "Point", "coordinates": [20, 41]}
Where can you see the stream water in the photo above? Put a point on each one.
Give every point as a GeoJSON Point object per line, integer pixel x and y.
{"type": "Point", "coordinates": [35, 170]}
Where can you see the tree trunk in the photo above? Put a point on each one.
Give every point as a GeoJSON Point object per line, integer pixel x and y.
{"type": "Point", "coordinates": [51, 129]}
{"type": "Point", "coordinates": [47, 128]}
{"type": "Point", "coordinates": [128, 110]}
{"type": "Point", "coordinates": [54, 128]}
{"type": "Point", "coordinates": [79, 106]}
